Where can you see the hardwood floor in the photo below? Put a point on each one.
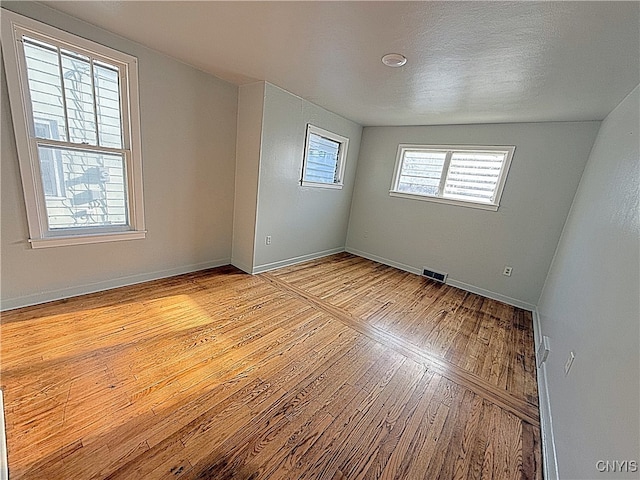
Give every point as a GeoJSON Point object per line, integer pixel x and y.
{"type": "Point", "coordinates": [340, 368]}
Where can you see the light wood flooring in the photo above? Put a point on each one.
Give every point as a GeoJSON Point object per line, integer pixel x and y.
{"type": "Point", "coordinates": [339, 368]}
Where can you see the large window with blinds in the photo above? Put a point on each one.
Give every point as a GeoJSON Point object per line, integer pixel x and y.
{"type": "Point", "coordinates": [75, 110]}
{"type": "Point", "coordinates": [471, 176]}
{"type": "Point", "coordinates": [324, 158]}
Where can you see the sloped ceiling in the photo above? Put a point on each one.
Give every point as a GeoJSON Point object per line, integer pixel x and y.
{"type": "Point", "coordinates": [468, 62]}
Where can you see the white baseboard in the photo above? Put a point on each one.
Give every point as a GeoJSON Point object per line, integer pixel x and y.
{"type": "Point", "coordinates": [493, 295]}
{"type": "Point", "coordinates": [384, 261]}
{"type": "Point", "coordinates": [549, 461]}
{"type": "Point", "coordinates": [241, 266]}
{"type": "Point", "coordinates": [293, 261]}
{"type": "Point", "coordinates": [48, 296]}
{"type": "Point", "coordinates": [450, 281]}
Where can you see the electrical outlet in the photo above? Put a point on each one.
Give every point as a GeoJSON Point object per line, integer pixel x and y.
{"type": "Point", "coordinates": [543, 350]}
{"type": "Point", "coordinates": [567, 366]}
{"type": "Point", "coordinates": [267, 240]}
{"type": "Point", "coordinates": [507, 271]}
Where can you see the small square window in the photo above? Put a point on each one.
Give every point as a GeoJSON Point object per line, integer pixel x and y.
{"type": "Point", "coordinates": [459, 175]}
{"type": "Point", "coordinates": [324, 158]}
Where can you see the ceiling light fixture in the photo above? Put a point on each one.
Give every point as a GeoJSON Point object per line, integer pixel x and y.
{"type": "Point", "coordinates": [394, 60]}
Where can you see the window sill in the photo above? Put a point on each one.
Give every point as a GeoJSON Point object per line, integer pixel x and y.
{"type": "Point", "coordinates": [335, 186]}
{"type": "Point", "coordinates": [447, 201]}
{"type": "Point", "coordinates": [85, 239]}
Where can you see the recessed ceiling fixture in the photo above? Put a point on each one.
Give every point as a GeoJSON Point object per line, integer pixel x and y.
{"type": "Point", "coordinates": [394, 60]}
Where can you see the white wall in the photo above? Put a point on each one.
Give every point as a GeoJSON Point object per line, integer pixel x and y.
{"type": "Point", "coordinates": [303, 222]}
{"type": "Point", "coordinates": [248, 149]}
{"type": "Point", "coordinates": [590, 306]}
{"type": "Point", "coordinates": [188, 143]}
{"type": "Point", "coordinates": [473, 245]}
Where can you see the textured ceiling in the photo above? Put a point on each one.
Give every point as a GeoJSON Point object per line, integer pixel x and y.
{"type": "Point", "coordinates": [469, 62]}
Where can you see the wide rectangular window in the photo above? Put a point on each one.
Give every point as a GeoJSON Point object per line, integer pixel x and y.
{"type": "Point", "coordinates": [324, 158]}
{"type": "Point", "coordinates": [464, 175]}
{"type": "Point", "coordinates": [75, 109]}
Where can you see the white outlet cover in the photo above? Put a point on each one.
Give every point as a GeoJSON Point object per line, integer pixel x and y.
{"type": "Point", "coordinates": [543, 351]}
{"type": "Point", "coordinates": [567, 366]}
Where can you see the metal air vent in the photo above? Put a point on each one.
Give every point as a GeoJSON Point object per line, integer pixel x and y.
{"type": "Point", "coordinates": [437, 276]}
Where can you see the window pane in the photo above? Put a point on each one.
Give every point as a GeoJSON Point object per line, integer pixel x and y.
{"type": "Point", "coordinates": [107, 90]}
{"type": "Point", "coordinates": [322, 160]}
{"type": "Point", "coordinates": [94, 189]}
{"type": "Point", "coordinates": [421, 172]}
{"type": "Point", "coordinates": [81, 91]}
{"type": "Point", "coordinates": [78, 88]}
{"type": "Point", "coordinates": [51, 172]}
{"type": "Point", "coordinates": [45, 88]}
{"type": "Point", "coordinates": [473, 176]}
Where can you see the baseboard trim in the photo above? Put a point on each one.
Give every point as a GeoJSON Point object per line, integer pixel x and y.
{"type": "Point", "coordinates": [549, 460]}
{"type": "Point", "coordinates": [295, 260]}
{"type": "Point", "coordinates": [384, 261]}
{"type": "Point", "coordinates": [493, 295]}
{"type": "Point", "coordinates": [49, 296]}
{"type": "Point", "coordinates": [241, 266]}
{"type": "Point", "coordinates": [450, 281]}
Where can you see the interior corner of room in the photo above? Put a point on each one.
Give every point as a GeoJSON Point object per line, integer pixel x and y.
{"type": "Point", "coordinates": [222, 162]}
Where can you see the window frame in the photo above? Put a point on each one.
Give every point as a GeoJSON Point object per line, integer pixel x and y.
{"type": "Point", "coordinates": [341, 160]}
{"type": "Point", "coordinates": [14, 27]}
{"type": "Point", "coordinates": [450, 149]}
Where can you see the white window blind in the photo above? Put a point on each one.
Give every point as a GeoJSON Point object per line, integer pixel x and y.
{"type": "Point", "coordinates": [472, 176]}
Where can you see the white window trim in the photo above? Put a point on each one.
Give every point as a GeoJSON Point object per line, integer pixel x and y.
{"type": "Point", "coordinates": [342, 157]}
{"type": "Point", "coordinates": [13, 26]}
{"type": "Point", "coordinates": [393, 192]}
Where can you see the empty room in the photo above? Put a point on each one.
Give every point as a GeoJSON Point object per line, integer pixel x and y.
{"type": "Point", "coordinates": [320, 240]}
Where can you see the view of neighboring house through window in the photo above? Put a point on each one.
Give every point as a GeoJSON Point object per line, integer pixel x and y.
{"type": "Point", "coordinates": [465, 175]}
{"type": "Point", "coordinates": [324, 158]}
{"type": "Point", "coordinates": [79, 98]}
{"type": "Point", "coordinates": [81, 130]}
{"type": "Point", "coordinates": [50, 161]}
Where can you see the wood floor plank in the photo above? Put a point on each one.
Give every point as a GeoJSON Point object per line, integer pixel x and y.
{"type": "Point", "coordinates": [364, 441]}
{"type": "Point", "coordinates": [423, 446]}
{"type": "Point", "coordinates": [500, 396]}
{"type": "Point", "coordinates": [421, 311]}
{"type": "Point", "coordinates": [336, 368]}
